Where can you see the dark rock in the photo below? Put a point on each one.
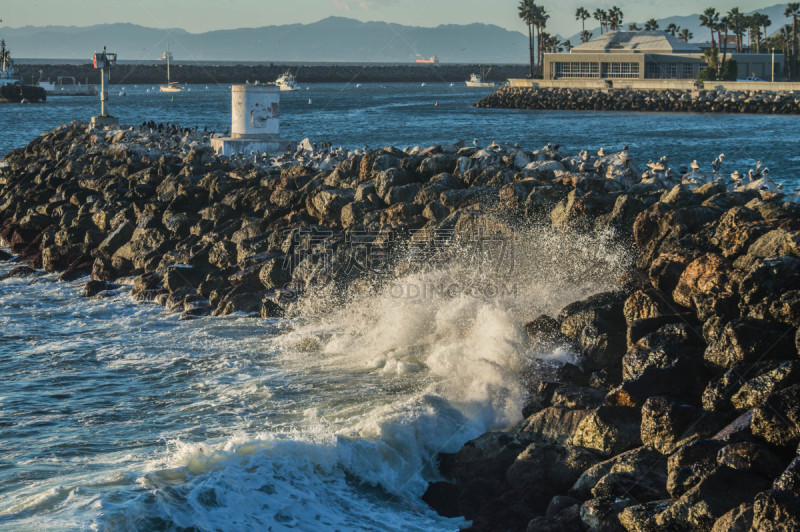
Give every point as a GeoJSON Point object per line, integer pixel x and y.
{"type": "Point", "coordinates": [775, 510]}
{"type": "Point", "coordinates": [95, 287]}
{"type": "Point", "coordinates": [740, 519]}
{"type": "Point", "coordinates": [543, 470]}
{"type": "Point", "coordinates": [667, 423]}
{"type": "Point", "coordinates": [789, 479]}
{"type": "Point", "coordinates": [643, 462]}
{"type": "Point", "coordinates": [609, 430]}
{"type": "Point", "coordinates": [706, 286]}
{"type": "Point", "coordinates": [479, 469]}
{"type": "Point", "coordinates": [751, 458]}
{"type": "Point", "coordinates": [690, 463]}
{"type": "Point", "coordinates": [642, 517]}
{"type": "Point", "coordinates": [602, 514]}
{"type": "Point", "coordinates": [778, 420]}
{"type": "Point", "coordinates": [715, 495]}
{"type": "Point", "coordinates": [749, 340]}
{"type": "Point", "coordinates": [443, 497]}
{"type": "Point", "coordinates": [552, 424]}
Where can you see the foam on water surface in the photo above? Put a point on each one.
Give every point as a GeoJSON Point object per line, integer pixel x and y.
{"type": "Point", "coordinates": [120, 417]}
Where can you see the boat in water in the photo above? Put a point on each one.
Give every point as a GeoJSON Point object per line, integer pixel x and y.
{"type": "Point", "coordinates": [477, 80]}
{"type": "Point", "coordinates": [12, 89]}
{"type": "Point", "coordinates": [428, 60]}
{"type": "Point", "coordinates": [287, 83]}
{"type": "Point", "coordinates": [68, 86]}
{"type": "Point", "coordinates": [171, 86]}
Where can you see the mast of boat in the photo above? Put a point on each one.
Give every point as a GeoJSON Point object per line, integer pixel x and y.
{"type": "Point", "coordinates": [167, 62]}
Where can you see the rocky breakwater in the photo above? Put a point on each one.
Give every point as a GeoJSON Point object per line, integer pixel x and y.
{"type": "Point", "coordinates": [680, 409]}
{"type": "Point", "coordinates": [667, 100]}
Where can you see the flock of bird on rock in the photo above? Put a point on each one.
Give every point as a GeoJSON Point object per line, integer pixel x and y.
{"type": "Point", "coordinates": [619, 166]}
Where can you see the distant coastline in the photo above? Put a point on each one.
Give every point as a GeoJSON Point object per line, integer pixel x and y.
{"type": "Point", "coordinates": [220, 72]}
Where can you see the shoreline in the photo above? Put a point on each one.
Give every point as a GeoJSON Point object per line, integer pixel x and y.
{"type": "Point", "coordinates": [681, 407]}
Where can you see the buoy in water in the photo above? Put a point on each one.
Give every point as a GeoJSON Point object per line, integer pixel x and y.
{"type": "Point", "coordinates": [437, 103]}
{"type": "Point", "coordinates": [309, 101]}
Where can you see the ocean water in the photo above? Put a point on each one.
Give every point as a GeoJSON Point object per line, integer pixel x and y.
{"type": "Point", "coordinates": [114, 415]}
{"type": "Point", "coordinates": [407, 114]}
{"type": "Point", "coordinates": [117, 416]}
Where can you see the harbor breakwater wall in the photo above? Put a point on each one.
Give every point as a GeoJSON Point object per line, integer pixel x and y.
{"type": "Point", "coordinates": [680, 409]}
{"type": "Point", "coordinates": [207, 74]}
{"type": "Point", "coordinates": [667, 100]}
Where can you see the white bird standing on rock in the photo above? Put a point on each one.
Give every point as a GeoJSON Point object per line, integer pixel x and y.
{"type": "Point", "coordinates": [717, 164]}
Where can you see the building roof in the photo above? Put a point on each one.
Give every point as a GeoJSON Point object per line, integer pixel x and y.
{"type": "Point", "coordinates": [653, 42]}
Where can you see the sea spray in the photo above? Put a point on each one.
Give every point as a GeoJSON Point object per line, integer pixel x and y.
{"type": "Point", "coordinates": [333, 418]}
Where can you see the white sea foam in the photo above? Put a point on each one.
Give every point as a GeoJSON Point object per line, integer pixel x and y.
{"type": "Point", "coordinates": [332, 420]}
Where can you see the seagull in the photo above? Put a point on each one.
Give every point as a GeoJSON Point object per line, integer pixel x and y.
{"type": "Point", "coordinates": [717, 164]}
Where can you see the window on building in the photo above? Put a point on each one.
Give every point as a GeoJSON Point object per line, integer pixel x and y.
{"type": "Point", "coordinates": [576, 70]}
{"type": "Point", "coordinates": [620, 70]}
{"type": "Point", "coordinates": [671, 70]}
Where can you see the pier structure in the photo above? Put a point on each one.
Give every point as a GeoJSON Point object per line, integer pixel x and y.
{"type": "Point", "coordinates": [255, 122]}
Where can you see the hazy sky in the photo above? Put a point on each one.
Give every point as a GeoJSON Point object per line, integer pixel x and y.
{"type": "Point", "coordinates": [204, 15]}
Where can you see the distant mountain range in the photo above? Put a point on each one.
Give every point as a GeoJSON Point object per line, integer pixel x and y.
{"type": "Point", "coordinates": [692, 22]}
{"type": "Point", "coordinates": [334, 39]}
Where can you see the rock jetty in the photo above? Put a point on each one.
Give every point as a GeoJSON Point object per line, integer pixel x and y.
{"type": "Point", "coordinates": [665, 100]}
{"type": "Point", "coordinates": [681, 408]}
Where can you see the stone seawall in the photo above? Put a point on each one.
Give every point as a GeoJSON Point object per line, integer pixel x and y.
{"type": "Point", "coordinates": [702, 101]}
{"type": "Point", "coordinates": [126, 74]}
{"type": "Point", "coordinates": [680, 406]}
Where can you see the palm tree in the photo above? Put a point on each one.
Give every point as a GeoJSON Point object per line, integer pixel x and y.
{"type": "Point", "coordinates": [634, 27]}
{"type": "Point", "coordinates": [600, 16]}
{"type": "Point", "coordinates": [526, 11]}
{"type": "Point", "coordinates": [615, 18]}
{"type": "Point", "coordinates": [672, 29]}
{"type": "Point", "coordinates": [737, 22]}
{"type": "Point", "coordinates": [586, 36]}
{"type": "Point", "coordinates": [722, 28]}
{"type": "Point", "coordinates": [685, 35]}
{"type": "Point", "coordinates": [582, 14]}
{"type": "Point", "coordinates": [651, 25]}
{"type": "Point", "coordinates": [709, 19]}
{"type": "Point", "coordinates": [540, 22]}
{"type": "Point", "coordinates": [793, 10]}
{"type": "Point", "coordinates": [567, 45]}
{"type": "Point", "coordinates": [765, 22]}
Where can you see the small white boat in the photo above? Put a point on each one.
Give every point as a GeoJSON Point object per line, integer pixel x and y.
{"type": "Point", "coordinates": [476, 80]}
{"type": "Point", "coordinates": [171, 86]}
{"type": "Point", "coordinates": [67, 86]}
{"type": "Point", "coordinates": [286, 83]}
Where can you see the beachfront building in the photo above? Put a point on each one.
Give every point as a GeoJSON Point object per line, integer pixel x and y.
{"type": "Point", "coordinates": [643, 55]}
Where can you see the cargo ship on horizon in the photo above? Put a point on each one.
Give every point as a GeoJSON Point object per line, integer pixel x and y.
{"type": "Point", "coordinates": [428, 60]}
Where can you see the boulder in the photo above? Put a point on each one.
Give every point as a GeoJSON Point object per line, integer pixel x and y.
{"type": "Point", "coordinates": [544, 470]}
{"type": "Point", "coordinates": [777, 420]}
{"type": "Point", "coordinates": [776, 511]}
{"type": "Point", "coordinates": [706, 286]}
{"type": "Point", "coordinates": [647, 465]}
{"type": "Point", "coordinates": [609, 430]}
{"type": "Point", "coordinates": [667, 424]}
{"type": "Point", "coordinates": [715, 495]}
{"type": "Point", "coordinates": [747, 340]}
